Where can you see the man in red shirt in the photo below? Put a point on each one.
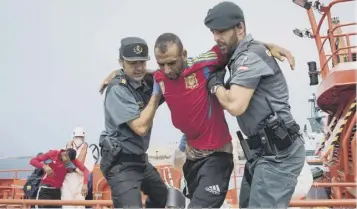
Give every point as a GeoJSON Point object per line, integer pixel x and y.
{"type": "Point", "coordinates": [199, 116]}
{"type": "Point", "coordinates": [56, 164]}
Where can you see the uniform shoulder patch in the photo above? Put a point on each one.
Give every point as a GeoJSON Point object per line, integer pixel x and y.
{"type": "Point", "coordinates": [123, 81]}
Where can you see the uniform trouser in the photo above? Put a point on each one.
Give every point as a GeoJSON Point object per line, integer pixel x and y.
{"type": "Point", "coordinates": [208, 180]}
{"type": "Point", "coordinates": [128, 179]}
{"type": "Point", "coordinates": [46, 192]}
{"type": "Point", "coordinates": [273, 178]}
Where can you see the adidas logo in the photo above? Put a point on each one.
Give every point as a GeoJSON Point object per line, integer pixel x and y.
{"type": "Point", "coordinates": [213, 189]}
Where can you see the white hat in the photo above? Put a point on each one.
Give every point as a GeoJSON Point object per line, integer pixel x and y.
{"type": "Point", "coordinates": [78, 131]}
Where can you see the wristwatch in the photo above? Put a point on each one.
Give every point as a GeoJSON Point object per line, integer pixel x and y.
{"type": "Point", "coordinates": [214, 89]}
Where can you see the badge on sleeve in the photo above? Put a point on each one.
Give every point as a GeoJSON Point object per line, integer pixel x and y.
{"type": "Point", "coordinates": [242, 66]}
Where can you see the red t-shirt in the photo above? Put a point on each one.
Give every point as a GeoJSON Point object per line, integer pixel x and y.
{"type": "Point", "coordinates": [193, 110]}
{"type": "Point", "coordinates": [58, 167]}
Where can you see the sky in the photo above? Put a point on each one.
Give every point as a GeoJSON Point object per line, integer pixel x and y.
{"type": "Point", "coordinates": [54, 55]}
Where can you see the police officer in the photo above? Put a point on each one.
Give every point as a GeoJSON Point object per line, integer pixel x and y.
{"type": "Point", "coordinates": [258, 96]}
{"type": "Point", "coordinates": [129, 107]}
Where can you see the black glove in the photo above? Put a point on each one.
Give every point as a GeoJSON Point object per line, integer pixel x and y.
{"type": "Point", "coordinates": [216, 78]}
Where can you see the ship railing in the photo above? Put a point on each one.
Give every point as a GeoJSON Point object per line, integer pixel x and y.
{"type": "Point", "coordinates": [321, 40]}
{"type": "Point", "coordinates": [12, 190]}
{"type": "Point", "coordinates": [100, 203]}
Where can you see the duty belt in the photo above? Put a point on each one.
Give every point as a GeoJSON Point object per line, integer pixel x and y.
{"type": "Point", "coordinates": [123, 157]}
{"type": "Point", "coordinates": [255, 142]}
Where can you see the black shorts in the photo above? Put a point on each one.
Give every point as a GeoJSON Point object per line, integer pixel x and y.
{"type": "Point", "coordinates": [208, 180]}
{"type": "Point", "coordinates": [45, 192]}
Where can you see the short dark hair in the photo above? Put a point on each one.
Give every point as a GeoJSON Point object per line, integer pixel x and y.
{"type": "Point", "coordinates": [72, 153]}
{"type": "Point", "coordinates": [168, 38]}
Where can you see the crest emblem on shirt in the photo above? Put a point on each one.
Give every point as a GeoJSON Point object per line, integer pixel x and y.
{"type": "Point", "coordinates": [191, 81]}
{"type": "Point", "coordinates": [138, 49]}
{"type": "Point", "coordinates": [162, 86]}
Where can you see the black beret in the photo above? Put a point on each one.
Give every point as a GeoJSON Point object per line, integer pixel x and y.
{"type": "Point", "coordinates": [223, 16]}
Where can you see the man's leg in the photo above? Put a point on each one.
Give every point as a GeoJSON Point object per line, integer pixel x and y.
{"type": "Point", "coordinates": [154, 187]}
{"type": "Point", "coordinates": [79, 196]}
{"type": "Point", "coordinates": [90, 189]}
{"type": "Point", "coordinates": [213, 178]}
{"type": "Point", "coordinates": [33, 197]}
{"type": "Point", "coordinates": [48, 194]}
{"type": "Point", "coordinates": [70, 188]}
{"type": "Point", "coordinates": [78, 191]}
{"type": "Point", "coordinates": [125, 180]}
{"type": "Point", "coordinates": [275, 177]}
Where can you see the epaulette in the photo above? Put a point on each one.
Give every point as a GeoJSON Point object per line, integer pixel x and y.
{"type": "Point", "coordinates": [122, 81]}
{"type": "Point", "coordinates": [119, 79]}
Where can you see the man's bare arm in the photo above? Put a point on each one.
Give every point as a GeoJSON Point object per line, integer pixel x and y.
{"type": "Point", "coordinates": [280, 53]}
{"type": "Point", "coordinates": [105, 82]}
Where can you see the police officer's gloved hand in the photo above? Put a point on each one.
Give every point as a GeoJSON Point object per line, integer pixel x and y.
{"type": "Point", "coordinates": [216, 79]}
{"type": "Point", "coordinates": [156, 90]}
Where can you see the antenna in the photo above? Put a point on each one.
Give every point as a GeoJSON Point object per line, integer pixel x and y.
{"type": "Point", "coordinates": [270, 106]}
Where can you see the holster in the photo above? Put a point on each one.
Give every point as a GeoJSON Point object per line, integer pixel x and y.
{"type": "Point", "coordinates": [245, 147]}
{"type": "Point", "coordinates": [267, 143]}
{"type": "Point", "coordinates": [270, 142]}
{"type": "Point", "coordinates": [175, 198]}
{"type": "Point", "coordinates": [284, 137]}
{"type": "Point", "coordinates": [110, 149]}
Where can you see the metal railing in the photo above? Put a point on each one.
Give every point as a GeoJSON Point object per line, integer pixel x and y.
{"type": "Point", "coordinates": [321, 40]}
{"type": "Point", "coordinates": [100, 203]}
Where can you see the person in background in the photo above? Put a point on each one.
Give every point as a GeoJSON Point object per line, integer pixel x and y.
{"type": "Point", "coordinates": [33, 182]}
{"type": "Point", "coordinates": [55, 163]}
{"type": "Point", "coordinates": [73, 182]}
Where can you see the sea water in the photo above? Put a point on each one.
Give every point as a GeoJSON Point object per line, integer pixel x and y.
{"type": "Point", "coordinates": [22, 163]}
